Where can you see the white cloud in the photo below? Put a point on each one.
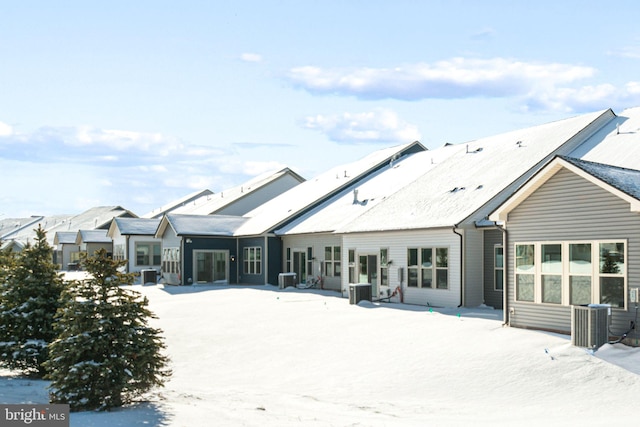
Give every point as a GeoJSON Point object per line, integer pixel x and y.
{"type": "Point", "coordinates": [251, 57]}
{"type": "Point", "coordinates": [454, 78]}
{"type": "Point", "coordinates": [381, 125]}
{"type": "Point", "coordinates": [5, 129]}
{"type": "Point", "coordinates": [585, 98]}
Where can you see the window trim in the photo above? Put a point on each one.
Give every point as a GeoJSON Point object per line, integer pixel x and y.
{"type": "Point", "coordinates": [595, 274]}
{"type": "Point", "coordinates": [151, 254]}
{"type": "Point", "coordinates": [252, 260]}
{"type": "Point", "coordinates": [497, 269]}
{"type": "Point", "coordinates": [434, 268]}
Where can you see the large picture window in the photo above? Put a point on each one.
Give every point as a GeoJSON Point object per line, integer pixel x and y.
{"type": "Point", "coordinates": [428, 268]}
{"type": "Point", "coordinates": [565, 273]}
{"type": "Point", "coordinates": [148, 253]}
{"type": "Point", "coordinates": [252, 263]}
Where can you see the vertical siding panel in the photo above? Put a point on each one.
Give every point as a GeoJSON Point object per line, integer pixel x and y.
{"type": "Point", "coordinates": [568, 207]}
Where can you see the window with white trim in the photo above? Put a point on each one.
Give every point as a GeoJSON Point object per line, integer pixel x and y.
{"type": "Point", "coordinates": [424, 272]}
{"type": "Point", "coordinates": [384, 267]}
{"type": "Point", "coordinates": [565, 273]}
{"type": "Point", "coordinates": [498, 268]}
{"type": "Point", "coordinates": [352, 266]}
{"type": "Point", "coordinates": [148, 253]}
{"type": "Point", "coordinates": [252, 260]}
{"type": "Point", "coordinates": [171, 260]}
{"type": "Point", "coordinates": [118, 252]}
{"type": "Point", "coordinates": [332, 261]}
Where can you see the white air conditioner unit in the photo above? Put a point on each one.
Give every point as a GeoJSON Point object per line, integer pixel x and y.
{"type": "Point", "coordinates": [590, 325]}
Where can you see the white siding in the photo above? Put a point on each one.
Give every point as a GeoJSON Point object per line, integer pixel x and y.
{"type": "Point", "coordinates": [397, 243]}
{"type": "Point", "coordinates": [318, 243]}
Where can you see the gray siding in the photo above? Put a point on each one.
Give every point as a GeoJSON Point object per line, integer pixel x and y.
{"type": "Point", "coordinates": [472, 276]}
{"type": "Point", "coordinates": [492, 297]}
{"type": "Point", "coordinates": [568, 207]}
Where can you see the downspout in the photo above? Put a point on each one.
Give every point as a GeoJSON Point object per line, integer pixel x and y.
{"type": "Point", "coordinates": [266, 260]}
{"type": "Point", "coordinates": [505, 287]}
{"type": "Point", "coordinates": [126, 255]}
{"type": "Point", "coordinates": [461, 266]}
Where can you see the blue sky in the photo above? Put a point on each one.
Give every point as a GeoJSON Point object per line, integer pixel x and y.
{"type": "Point", "coordinates": [136, 103]}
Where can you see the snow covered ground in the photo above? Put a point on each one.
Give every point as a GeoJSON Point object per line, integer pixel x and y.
{"type": "Point", "coordinates": [259, 356]}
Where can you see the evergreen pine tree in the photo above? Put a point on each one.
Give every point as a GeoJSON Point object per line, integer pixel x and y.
{"type": "Point", "coordinates": [106, 354]}
{"type": "Point", "coordinates": [29, 293]}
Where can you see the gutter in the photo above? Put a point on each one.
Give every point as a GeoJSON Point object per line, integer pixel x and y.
{"type": "Point", "coordinates": [461, 266]}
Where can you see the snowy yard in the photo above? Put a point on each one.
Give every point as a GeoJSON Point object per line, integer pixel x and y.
{"type": "Point", "coordinates": [261, 356]}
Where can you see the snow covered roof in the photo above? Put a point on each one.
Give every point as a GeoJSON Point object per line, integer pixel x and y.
{"type": "Point", "coordinates": [461, 187]}
{"type": "Point", "coordinates": [213, 202]}
{"type": "Point", "coordinates": [623, 182]}
{"type": "Point", "coordinates": [65, 237]}
{"type": "Point", "coordinates": [92, 236]}
{"type": "Point", "coordinates": [157, 213]}
{"type": "Point", "coordinates": [617, 143]}
{"type": "Point", "coordinates": [12, 226]}
{"type": "Point", "coordinates": [312, 192]}
{"type": "Point", "coordinates": [200, 225]}
{"type": "Point", "coordinates": [355, 200]}
{"type": "Point", "coordinates": [135, 226]}
{"type": "Point", "coordinates": [96, 217]}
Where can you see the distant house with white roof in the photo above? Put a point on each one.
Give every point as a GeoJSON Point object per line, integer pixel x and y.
{"type": "Point", "coordinates": [67, 251]}
{"type": "Point", "coordinates": [91, 241]}
{"type": "Point", "coordinates": [134, 240]}
{"type": "Point", "coordinates": [236, 200]}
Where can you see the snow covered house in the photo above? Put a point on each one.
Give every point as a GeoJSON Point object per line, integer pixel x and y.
{"type": "Point", "coordinates": [572, 236]}
{"type": "Point", "coordinates": [134, 240]}
{"type": "Point", "coordinates": [430, 239]}
{"type": "Point", "coordinates": [90, 241]}
{"type": "Point", "coordinates": [199, 248]}
{"type": "Point", "coordinates": [67, 251]}
{"type": "Point", "coordinates": [235, 200]}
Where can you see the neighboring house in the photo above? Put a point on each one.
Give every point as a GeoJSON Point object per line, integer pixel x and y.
{"type": "Point", "coordinates": [95, 218]}
{"type": "Point", "coordinates": [243, 198]}
{"type": "Point", "coordinates": [90, 241]}
{"type": "Point", "coordinates": [430, 239]}
{"type": "Point", "coordinates": [233, 201]}
{"type": "Point", "coordinates": [200, 249]}
{"type": "Point", "coordinates": [572, 238]}
{"type": "Point", "coordinates": [11, 245]}
{"type": "Point", "coordinates": [246, 245]}
{"type": "Point", "coordinates": [67, 252]}
{"type": "Point", "coordinates": [313, 249]}
{"type": "Point", "coordinates": [134, 240]}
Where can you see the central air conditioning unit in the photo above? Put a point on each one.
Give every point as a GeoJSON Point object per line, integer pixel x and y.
{"type": "Point", "coordinates": [590, 325]}
{"type": "Point", "coordinates": [360, 292]}
{"type": "Point", "coordinates": [286, 280]}
{"type": "Point", "coordinates": [149, 276]}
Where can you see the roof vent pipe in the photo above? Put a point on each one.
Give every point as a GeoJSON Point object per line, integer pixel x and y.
{"type": "Point", "coordinates": [355, 196]}
{"type": "Point", "coordinates": [617, 128]}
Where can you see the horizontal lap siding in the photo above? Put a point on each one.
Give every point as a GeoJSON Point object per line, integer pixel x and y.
{"type": "Point", "coordinates": [570, 208]}
{"type": "Point", "coordinates": [397, 243]}
{"type": "Point", "coordinates": [318, 243]}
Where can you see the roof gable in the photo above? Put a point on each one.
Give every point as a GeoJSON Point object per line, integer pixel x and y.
{"type": "Point", "coordinates": [134, 226]}
{"type": "Point", "coordinates": [622, 182]}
